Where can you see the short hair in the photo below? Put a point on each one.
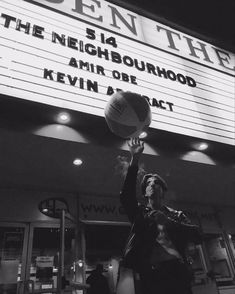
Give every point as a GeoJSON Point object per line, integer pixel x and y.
{"type": "Point", "coordinates": [159, 180]}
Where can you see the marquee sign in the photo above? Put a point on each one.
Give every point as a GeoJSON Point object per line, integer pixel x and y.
{"type": "Point", "coordinates": [74, 54]}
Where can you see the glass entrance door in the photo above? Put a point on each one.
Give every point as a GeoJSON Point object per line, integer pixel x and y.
{"type": "Point", "coordinates": [29, 257]}
{"type": "Point", "coordinates": [13, 248]}
{"type": "Point", "coordinates": [43, 257]}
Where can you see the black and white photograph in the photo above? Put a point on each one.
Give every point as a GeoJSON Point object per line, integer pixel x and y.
{"type": "Point", "coordinates": [117, 147]}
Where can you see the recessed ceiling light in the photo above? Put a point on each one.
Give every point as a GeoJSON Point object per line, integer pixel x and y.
{"type": "Point", "coordinates": [143, 135]}
{"type": "Point", "coordinates": [63, 117]}
{"type": "Point", "coordinates": [77, 161]}
{"type": "Point", "coordinates": [201, 146]}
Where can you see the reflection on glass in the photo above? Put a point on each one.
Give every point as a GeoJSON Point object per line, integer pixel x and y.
{"type": "Point", "coordinates": [11, 248]}
{"type": "Point", "coordinates": [196, 260]}
{"type": "Point", "coordinates": [232, 243]}
{"type": "Point", "coordinates": [218, 256]}
{"type": "Point", "coordinates": [45, 257]}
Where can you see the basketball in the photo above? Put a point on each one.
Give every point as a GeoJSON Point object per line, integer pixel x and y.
{"type": "Point", "coordinates": [127, 114]}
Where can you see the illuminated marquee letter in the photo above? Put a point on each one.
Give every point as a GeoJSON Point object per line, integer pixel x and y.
{"type": "Point", "coordinates": [193, 49]}
{"type": "Point", "coordinates": [115, 13]}
{"type": "Point", "coordinates": [170, 35]}
{"type": "Point", "coordinates": [224, 58]}
{"type": "Point", "coordinates": [79, 9]}
{"type": "Point", "coordinates": [8, 19]}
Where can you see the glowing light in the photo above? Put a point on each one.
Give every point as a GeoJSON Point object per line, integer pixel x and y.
{"type": "Point", "coordinates": [198, 156]}
{"type": "Point", "coordinates": [143, 135]}
{"type": "Point", "coordinates": [80, 263]}
{"type": "Point", "coordinates": [63, 117]}
{"type": "Point", "coordinates": [77, 161]}
{"type": "Point", "coordinates": [45, 210]}
{"type": "Point", "coordinates": [201, 146]}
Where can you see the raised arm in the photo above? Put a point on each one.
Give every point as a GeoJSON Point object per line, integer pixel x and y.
{"type": "Point", "coordinates": [128, 192]}
{"type": "Point", "coordinates": [136, 148]}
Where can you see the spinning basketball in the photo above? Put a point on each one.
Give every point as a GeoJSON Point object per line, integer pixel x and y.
{"type": "Point", "coordinates": [127, 114]}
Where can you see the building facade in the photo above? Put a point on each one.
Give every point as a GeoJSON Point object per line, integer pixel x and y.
{"type": "Point", "coordinates": [69, 57]}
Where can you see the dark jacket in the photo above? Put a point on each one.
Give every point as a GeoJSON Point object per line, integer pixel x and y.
{"type": "Point", "coordinates": [98, 283]}
{"type": "Point", "coordinates": [144, 231]}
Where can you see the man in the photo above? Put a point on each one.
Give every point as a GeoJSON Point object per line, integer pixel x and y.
{"type": "Point", "coordinates": [159, 234]}
{"type": "Point", "coordinates": [97, 281]}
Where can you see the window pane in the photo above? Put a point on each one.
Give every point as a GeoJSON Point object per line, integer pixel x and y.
{"type": "Point", "coordinates": [11, 249]}
{"type": "Point", "coordinates": [45, 256]}
{"type": "Point", "coordinates": [218, 256]}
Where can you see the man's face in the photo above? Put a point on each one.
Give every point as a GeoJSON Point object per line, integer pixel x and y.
{"type": "Point", "coordinates": [154, 193]}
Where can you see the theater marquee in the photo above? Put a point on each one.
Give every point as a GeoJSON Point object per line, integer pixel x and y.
{"type": "Point", "coordinates": [74, 54]}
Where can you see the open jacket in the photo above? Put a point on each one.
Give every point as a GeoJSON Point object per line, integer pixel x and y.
{"type": "Point", "coordinates": [144, 229]}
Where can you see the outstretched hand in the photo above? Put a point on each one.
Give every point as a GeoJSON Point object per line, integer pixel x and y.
{"type": "Point", "coordinates": [136, 148]}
